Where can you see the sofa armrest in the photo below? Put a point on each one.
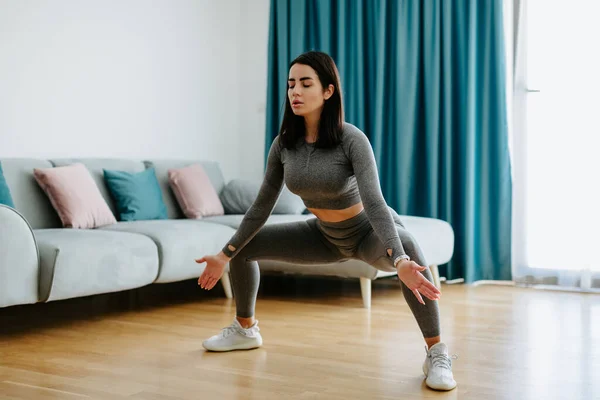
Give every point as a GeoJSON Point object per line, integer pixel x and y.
{"type": "Point", "coordinates": [19, 259]}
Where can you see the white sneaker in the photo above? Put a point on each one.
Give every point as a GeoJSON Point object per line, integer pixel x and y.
{"type": "Point", "coordinates": [438, 368]}
{"type": "Point", "coordinates": [235, 337]}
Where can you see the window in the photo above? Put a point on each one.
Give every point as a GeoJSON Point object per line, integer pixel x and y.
{"type": "Point", "coordinates": [557, 141]}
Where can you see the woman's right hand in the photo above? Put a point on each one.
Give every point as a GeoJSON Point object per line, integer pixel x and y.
{"type": "Point", "coordinates": [215, 265]}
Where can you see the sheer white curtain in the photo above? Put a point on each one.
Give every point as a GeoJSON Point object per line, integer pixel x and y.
{"type": "Point", "coordinates": [555, 143]}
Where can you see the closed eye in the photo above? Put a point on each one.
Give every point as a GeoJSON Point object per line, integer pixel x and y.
{"type": "Point", "coordinates": [303, 79]}
{"type": "Point", "coordinates": [306, 86]}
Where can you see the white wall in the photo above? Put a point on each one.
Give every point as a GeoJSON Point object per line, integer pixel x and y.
{"type": "Point", "coordinates": [139, 79]}
{"type": "Point", "coordinates": [254, 44]}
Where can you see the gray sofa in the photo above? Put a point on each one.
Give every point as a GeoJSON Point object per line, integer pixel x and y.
{"type": "Point", "coordinates": [40, 261]}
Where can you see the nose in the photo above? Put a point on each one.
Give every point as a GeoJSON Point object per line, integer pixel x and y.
{"type": "Point", "coordinates": [296, 91]}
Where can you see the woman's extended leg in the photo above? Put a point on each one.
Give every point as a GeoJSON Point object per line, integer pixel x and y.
{"type": "Point", "coordinates": [438, 365]}
{"type": "Point", "coordinates": [299, 242]}
{"type": "Point", "coordinates": [372, 251]}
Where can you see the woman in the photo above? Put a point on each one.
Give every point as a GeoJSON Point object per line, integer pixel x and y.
{"type": "Point", "coordinates": [330, 164]}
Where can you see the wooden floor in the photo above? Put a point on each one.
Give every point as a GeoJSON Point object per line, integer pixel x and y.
{"type": "Point", "coordinates": [319, 344]}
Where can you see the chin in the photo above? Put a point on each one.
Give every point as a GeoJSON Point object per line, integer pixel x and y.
{"type": "Point", "coordinates": [299, 113]}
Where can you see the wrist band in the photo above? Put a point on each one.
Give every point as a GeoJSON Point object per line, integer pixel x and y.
{"type": "Point", "coordinates": [402, 257]}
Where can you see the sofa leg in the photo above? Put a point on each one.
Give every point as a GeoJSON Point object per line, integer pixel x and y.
{"type": "Point", "coordinates": [365, 290]}
{"type": "Point", "coordinates": [227, 285]}
{"type": "Point", "coordinates": [436, 276]}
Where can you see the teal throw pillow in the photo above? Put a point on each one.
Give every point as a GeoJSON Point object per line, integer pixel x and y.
{"type": "Point", "coordinates": [5, 196]}
{"type": "Point", "coordinates": [137, 195]}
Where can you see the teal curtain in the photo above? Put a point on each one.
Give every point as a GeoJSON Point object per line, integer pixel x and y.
{"type": "Point", "coordinates": [425, 80]}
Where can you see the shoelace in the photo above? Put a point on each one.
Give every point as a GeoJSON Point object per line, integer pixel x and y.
{"type": "Point", "coordinates": [231, 329]}
{"type": "Point", "coordinates": [228, 331]}
{"type": "Point", "coordinates": [442, 360]}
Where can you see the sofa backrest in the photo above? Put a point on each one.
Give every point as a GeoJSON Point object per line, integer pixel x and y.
{"type": "Point", "coordinates": [29, 198]}
{"type": "Point", "coordinates": [35, 206]}
{"type": "Point", "coordinates": [162, 167]}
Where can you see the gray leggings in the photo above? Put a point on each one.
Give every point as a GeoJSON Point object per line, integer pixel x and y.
{"type": "Point", "coordinates": [317, 242]}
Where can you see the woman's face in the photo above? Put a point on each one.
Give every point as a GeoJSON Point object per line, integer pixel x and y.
{"type": "Point", "coordinates": [305, 91]}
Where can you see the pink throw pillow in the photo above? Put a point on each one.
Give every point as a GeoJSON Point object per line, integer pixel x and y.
{"type": "Point", "coordinates": [75, 196]}
{"type": "Point", "coordinates": [195, 193]}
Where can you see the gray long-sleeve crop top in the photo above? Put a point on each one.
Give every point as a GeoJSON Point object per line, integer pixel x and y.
{"type": "Point", "coordinates": [334, 179]}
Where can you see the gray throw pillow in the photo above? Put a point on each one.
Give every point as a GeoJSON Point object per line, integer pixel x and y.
{"type": "Point", "coordinates": [239, 194]}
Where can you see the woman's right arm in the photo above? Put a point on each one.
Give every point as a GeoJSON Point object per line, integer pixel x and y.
{"type": "Point", "coordinates": [263, 205]}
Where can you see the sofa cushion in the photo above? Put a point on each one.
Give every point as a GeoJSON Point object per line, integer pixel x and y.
{"type": "Point", "coordinates": [74, 196]}
{"type": "Point", "coordinates": [96, 167]}
{"type": "Point", "coordinates": [28, 197]}
{"type": "Point", "coordinates": [194, 192]}
{"type": "Point", "coordinates": [180, 242]}
{"type": "Point", "coordinates": [239, 194]}
{"type": "Point", "coordinates": [137, 195]}
{"type": "Point", "coordinates": [79, 262]}
{"type": "Point", "coordinates": [162, 168]}
{"type": "Point", "coordinates": [5, 197]}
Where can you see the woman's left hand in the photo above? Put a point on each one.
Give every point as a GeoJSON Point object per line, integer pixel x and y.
{"type": "Point", "coordinates": [409, 272]}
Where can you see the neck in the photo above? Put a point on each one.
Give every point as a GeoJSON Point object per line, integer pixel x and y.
{"type": "Point", "coordinates": [311, 123]}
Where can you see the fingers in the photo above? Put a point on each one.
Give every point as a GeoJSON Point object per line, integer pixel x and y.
{"type": "Point", "coordinates": [418, 296]}
{"type": "Point", "coordinates": [207, 281]}
{"type": "Point", "coordinates": [428, 293]}
{"type": "Point", "coordinates": [203, 279]}
{"type": "Point", "coordinates": [211, 283]}
{"type": "Point", "coordinates": [428, 289]}
{"type": "Point", "coordinates": [425, 282]}
{"type": "Point", "coordinates": [430, 286]}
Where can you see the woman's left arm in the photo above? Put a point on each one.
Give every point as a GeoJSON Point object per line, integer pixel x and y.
{"type": "Point", "coordinates": [367, 178]}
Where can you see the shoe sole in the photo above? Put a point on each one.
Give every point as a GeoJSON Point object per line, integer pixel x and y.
{"type": "Point", "coordinates": [233, 348]}
{"type": "Point", "coordinates": [434, 387]}
{"type": "Point", "coordinates": [440, 388]}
